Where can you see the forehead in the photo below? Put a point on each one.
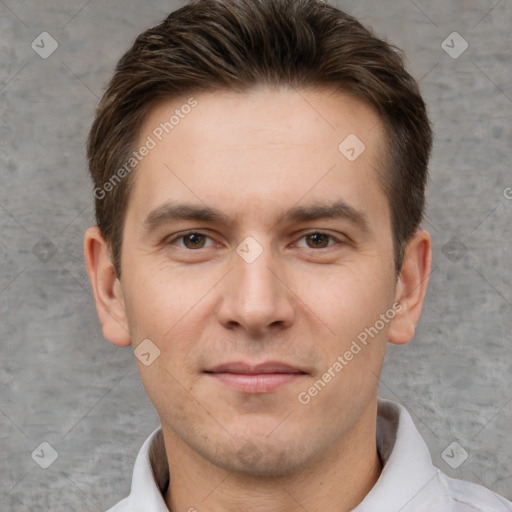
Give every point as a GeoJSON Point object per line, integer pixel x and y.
{"type": "Point", "coordinates": [247, 150]}
{"type": "Point", "coordinates": [264, 116]}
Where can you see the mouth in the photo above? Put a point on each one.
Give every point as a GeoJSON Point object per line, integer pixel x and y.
{"type": "Point", "coordinates": [261, 378]}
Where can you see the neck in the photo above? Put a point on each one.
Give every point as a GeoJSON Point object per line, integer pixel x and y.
{"type": "Point", "coordinates": [337, 482]}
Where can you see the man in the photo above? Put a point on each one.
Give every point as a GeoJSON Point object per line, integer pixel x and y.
{"type": "Point", "coordinates": [259, 170]}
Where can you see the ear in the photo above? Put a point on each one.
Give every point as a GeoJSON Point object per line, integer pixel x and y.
{"type": "Point", "coordinates": [106, 288]}
{"type": "Point", "coordinates": [411, 288]}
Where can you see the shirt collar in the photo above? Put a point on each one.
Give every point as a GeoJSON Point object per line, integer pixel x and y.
{"type": "Point", "coordinates": [408, 482]}
{"type": "Point", "coordinates": [150, 476]}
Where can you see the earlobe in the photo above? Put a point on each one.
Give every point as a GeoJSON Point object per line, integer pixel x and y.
{"type": "Point", "coordinates": [106, 288]}
{"type": "Point", "coordinates": [411, 288]}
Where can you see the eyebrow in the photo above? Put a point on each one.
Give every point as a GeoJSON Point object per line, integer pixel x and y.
{"type": "Point", "coordinates": [173, 212]}
{"type": "Point", "coordinates": [337, 210]}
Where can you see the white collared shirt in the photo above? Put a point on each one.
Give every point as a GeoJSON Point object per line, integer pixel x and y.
{"type": "Point", "coordinates": [408, 482]}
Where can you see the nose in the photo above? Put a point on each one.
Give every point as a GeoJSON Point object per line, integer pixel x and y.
{"type": "Point", "coordinates": [255, 296]}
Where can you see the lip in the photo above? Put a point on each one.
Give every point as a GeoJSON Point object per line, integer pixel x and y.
{"type": "Point", "coordinates": [241, 367]}
{"type": "Point", "coordinates": [255, 378]}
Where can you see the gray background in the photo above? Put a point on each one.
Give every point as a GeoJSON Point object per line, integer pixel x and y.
{"type": "Point", "coordinates": [62, 383]}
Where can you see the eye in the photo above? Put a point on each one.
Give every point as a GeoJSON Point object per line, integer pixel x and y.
{"type": "Point", "coordinates": [191, 240]}
{"type": "Point", "coordinates": [318, 240]}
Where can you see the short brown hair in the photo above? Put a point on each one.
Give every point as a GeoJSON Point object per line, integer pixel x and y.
{"type": "Point", "coordinates": [239, 44]}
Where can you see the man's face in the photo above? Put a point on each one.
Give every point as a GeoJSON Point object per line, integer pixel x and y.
{"type": "Point", "coordinates": [270, 278]}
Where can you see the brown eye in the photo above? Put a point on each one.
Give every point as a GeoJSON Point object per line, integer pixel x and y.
{"type": "Point", "coordinates": [317, 240]}
{"type": "Point", "coordinates": [194, 240]}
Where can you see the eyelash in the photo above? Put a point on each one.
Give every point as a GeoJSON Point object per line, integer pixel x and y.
{"type": "Point", "coordinates": [181, 236]}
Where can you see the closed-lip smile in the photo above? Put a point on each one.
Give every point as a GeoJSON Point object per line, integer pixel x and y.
{"type": "Point", "coordinates": [255, 378]}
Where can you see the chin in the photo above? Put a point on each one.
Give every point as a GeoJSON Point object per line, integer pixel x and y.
{"type": "Point", "coordinates": [259, 456]}
{"type": "Point", "coordinates": [254, 462]}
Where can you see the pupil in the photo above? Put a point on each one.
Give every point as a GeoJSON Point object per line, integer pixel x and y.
{"type": "Point", "coordinates": [194, 239]}
{"type": "Point", "coordinates": [318, 239]}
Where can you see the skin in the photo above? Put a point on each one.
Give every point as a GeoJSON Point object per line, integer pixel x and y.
{"type": "Point", "coordinates": [254, 156]}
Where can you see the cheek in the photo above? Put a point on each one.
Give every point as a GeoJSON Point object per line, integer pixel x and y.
{"type": "Point", "coordinates": [170, 393]}
{"type": "Point", "coordinates": [351, 303]}
{"type": "Point", "coordinates": [164, 310]}
{"type": "Point", "coordinates": [160, 300]}
{"type": "Point", "coordinates": [171, 308]}
{"type": "Point", "coordinates": [348, 298]}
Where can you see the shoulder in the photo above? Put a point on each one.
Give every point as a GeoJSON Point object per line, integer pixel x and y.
{"type": "Point", "coordinates": [470, 497]}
